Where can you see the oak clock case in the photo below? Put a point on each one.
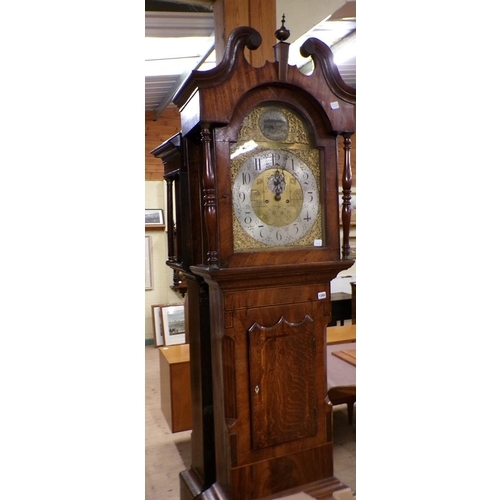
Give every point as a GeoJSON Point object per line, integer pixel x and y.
{"type": "Point", "coordinates": [276, 184]}
{"type": "Point", "coordinates": [270, 307]}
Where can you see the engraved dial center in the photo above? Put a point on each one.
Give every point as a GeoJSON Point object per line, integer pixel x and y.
{"type": "Point", "coordinates": [276, 198]}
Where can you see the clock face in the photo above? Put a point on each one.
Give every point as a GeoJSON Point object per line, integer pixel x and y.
{"type": "Point", "coordinates": [275, 182]}
{"type": "Point", "coordinates": [275, 197]}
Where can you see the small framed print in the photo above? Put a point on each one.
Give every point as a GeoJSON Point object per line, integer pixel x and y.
{"type": "Point", "coordinates": [157, 324]}
{"type": "Point", "coordinates": [174, 330]}
{"type": "Point", "coordinates": [154, 217]}
{"type": "Point", "coordinates": [148, 270]}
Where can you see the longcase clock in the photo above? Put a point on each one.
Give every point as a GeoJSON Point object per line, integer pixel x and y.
{"type": "Point", "coordinates": [258, 163]}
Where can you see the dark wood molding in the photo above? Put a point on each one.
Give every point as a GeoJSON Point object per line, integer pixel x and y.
{"type": "Point", "coordinates": [322, 57]}
{"type": "Point", "coordinates": [244, 36]}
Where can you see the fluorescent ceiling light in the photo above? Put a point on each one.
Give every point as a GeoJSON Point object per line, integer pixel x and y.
{"type": "Point", "coordinates": [171, 56]}
{"type": "Point", "coordinates": [168, 67]}
{"type": "Point", "coordinates": [345, 52]}
{"type": "Point", "coordinates": [161, 47]}
{"type": "Point", "coordinates": [209, 63]}
{"type": "Point", "coordinates": [328, 32]}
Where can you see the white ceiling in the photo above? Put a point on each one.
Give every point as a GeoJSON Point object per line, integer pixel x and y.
{"type": "Point", "coordinates": [336, 31]}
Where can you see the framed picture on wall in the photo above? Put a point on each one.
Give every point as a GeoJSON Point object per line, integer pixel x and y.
{"type": "Point", "coordinates": [148, 271]}
{"type": "Point", "coordinates": [156, 316]}
{"type": "Point", "coordinates": [154, 217]}
{"type": "Point", "coordinates": [174, 331]}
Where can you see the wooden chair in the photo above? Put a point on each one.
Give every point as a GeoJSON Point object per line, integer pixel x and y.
{"type": "Point", "coordinates": [353, 301]}
{"type": "Point", "coordinates": [344, 394]}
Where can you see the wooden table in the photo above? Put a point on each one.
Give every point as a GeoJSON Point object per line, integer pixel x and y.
{"type": "Point", "coordinates": [340, 334]}
{"type": "Point", "coordinates": [348, 355]}
{"type": "Point", "coordinates": [341, 367]}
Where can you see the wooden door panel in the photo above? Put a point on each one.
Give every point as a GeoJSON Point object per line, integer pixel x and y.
{"type": "Point", "coordinates": [282, 382]}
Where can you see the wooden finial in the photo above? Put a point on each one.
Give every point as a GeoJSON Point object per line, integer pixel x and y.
{"type": "Point", "coordinates": [282, 34]}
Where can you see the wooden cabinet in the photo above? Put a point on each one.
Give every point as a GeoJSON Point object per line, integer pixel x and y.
{"type": "Point", "coordinates": [175, 383]}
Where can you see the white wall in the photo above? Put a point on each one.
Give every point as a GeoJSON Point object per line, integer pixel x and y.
{"type": "Point", "coordinates": [162, 274]}
{"type": "Point", "coordinates": [301, 16]}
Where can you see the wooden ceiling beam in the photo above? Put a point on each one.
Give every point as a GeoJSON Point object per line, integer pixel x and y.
{"type": "Point", "coordinates": [259, 14]}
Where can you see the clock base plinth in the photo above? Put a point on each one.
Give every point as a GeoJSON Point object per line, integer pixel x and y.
{"type": "Point", "coordinates": [191, 485]}
{"type": "Point", "coordinates": [305, 469]}
{"type": "Point", "coordinates": [320, 490]}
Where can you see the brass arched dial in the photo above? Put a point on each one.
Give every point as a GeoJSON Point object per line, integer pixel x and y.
{"type": "Point", "coordinates": [275, 197]}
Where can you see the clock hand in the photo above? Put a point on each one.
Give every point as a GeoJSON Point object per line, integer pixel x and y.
{"type": "Point", "coordinates": [282, 182]}
{"type": "Point", "coordinates": [278, 184]}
